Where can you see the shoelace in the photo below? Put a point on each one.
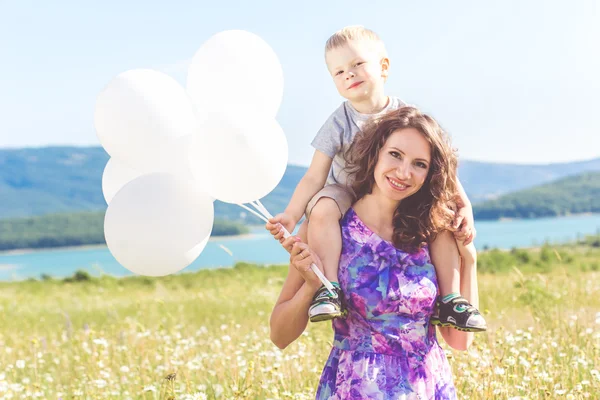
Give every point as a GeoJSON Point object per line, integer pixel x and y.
{"type": "Point", "coordinates": [470, 308]}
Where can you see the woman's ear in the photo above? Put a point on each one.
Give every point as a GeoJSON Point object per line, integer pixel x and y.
{"type": "Point", "coordinates": [385, 67]}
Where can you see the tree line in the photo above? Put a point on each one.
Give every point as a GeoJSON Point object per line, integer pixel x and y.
{"type": "Point", "coordinates": [73, 229]}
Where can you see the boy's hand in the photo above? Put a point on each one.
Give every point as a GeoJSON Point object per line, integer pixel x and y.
{"type": "Point", "coordinates": [464, 223]}
{"type": "Point", "coordinates": [284, 219]}
{"type": "Point", "coordinates": [275, 225]}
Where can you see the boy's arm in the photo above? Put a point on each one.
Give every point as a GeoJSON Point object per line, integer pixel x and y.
{"type": "Point", "coordinates": [313, 180]}
{"type": "Point", "coordinates": [327, 143]}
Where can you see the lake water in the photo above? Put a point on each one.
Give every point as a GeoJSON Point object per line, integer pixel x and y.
{"type": "Point", "coordinates": [261, 248]}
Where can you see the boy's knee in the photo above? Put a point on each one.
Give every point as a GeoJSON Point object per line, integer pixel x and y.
{"type": "Point", "coordinates": [326, 209]}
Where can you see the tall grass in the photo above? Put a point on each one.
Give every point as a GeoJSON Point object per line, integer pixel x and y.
{"type": "Point", "coordinates": [205, 335]}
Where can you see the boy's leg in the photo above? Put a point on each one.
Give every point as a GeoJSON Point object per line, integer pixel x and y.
{"type": "Point", "coordinates": [303, 232]}
{"type": "Point", "coordinates": [325, 237]}
{"type": "Point", "coordinates": [448, 278]}
{"type": "Point", "coordinates": [453, 310]}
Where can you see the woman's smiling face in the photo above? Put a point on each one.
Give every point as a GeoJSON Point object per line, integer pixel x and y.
{"type": "Point", "coordinates": [403, 164]}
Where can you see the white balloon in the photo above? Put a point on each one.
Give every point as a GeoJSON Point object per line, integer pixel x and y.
{"type": "Point", "coordinates": [241, 158]}
{"type": "Point", "coordinates": [116, 175]}
{"type": "Point", "coordinates": [158, 224]}
{"type": "Point", "coordinates": [179, 166]}
{"type": "Point", "coordinates": [140, 116]}
{"type": "Point", "coordinates": [236, 70]}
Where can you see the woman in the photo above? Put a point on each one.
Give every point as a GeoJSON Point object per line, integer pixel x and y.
{"type": "Point", "coordinates": [404, 171]}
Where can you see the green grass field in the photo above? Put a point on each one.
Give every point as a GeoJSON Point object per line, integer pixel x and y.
{"type": "Point", "coordinates": [206, 335]}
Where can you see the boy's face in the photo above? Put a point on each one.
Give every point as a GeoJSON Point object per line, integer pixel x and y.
{"type": "Point", "coordinates": [358, 70]}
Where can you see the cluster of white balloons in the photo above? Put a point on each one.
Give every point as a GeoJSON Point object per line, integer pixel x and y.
{"type": "Point", "coordinates": [174, 150]}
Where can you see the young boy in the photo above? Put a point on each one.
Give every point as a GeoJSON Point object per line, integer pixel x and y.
{"type": "Point", "coordinates": [358, 63]}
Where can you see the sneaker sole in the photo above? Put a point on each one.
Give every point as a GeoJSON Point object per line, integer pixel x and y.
{"type": "Point", "coordinates": [325, 317]}
{"type": "Point", "coordinates": [448, 324]}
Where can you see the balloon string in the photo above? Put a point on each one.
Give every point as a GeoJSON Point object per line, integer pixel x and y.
{"type": "Point", "coordinates": [253, 212]}
{"type": "Point", "coordinates": [262, 209]}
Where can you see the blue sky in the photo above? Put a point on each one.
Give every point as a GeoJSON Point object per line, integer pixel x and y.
{"type": "Point", "coordinates": [512, 81]}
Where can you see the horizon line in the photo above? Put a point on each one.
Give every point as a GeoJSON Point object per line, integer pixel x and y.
{"type": "Point", "coordinates": [90, 146]}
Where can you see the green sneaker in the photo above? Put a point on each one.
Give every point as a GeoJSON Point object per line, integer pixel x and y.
{"type": "Point", "coordinates": [324, 306]}
{"type": "Point", "coordinates": [455, 311]}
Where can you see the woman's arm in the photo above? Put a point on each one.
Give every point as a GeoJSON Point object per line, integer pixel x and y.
{"type": "Point", "coordinates": [445, 254]}
{"type": "Point", "coordinates": [290, 314]}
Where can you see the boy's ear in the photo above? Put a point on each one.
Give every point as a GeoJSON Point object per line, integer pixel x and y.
{"type": "Point", "coordinates": [385, 67]}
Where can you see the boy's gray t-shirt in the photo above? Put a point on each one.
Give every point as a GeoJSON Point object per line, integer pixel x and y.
{"type": "Point", "coordinates": [338, 132]}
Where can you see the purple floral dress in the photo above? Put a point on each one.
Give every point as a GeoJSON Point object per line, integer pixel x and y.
{"type": "Point", "coordinates": [385, 348]}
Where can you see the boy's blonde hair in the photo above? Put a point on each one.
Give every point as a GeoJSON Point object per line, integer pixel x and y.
{"type": "Point", "coordinates": [354, 33]}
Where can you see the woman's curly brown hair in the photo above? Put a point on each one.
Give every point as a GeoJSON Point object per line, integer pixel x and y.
{"type": "Point", "coordinates": [420, 217]}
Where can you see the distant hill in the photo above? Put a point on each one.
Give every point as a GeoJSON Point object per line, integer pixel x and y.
{"type": "Point", "coordinates": [572, 195]}
{"type": "Point", "coordinates": [37, 181]}
{"type": "Point", "coordinates": [485, 181]}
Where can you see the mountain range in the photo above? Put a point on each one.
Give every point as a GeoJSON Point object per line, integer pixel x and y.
{"type": "Point", "coordinates": [37, 181]}
{"type": "Point", "coordinates": [575, 194]}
